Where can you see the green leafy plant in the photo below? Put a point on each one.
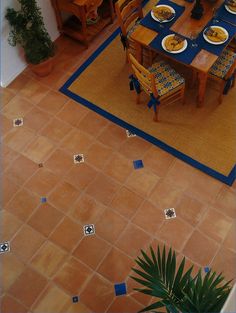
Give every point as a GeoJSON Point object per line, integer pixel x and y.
{"type": "Point", "coordinates": [176, 289]}
{"type": "Point", "coordinates": [28, 30]}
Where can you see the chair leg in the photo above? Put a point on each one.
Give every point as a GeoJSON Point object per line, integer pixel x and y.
{"type": "Point", "coordinates": [183, 95]}
{"type": "Point", "coordinates": [220, 99]}
{"type": "Point", "coordinates": [155, 116]}
{"type": "Point", "coordinates": [138, 98]}
{"type": "Point", "coordinates": [194, 78]}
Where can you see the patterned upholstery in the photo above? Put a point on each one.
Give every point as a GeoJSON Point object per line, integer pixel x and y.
{"type": "Point", "coordinates": [166, 77]}
{"type": "Point", "coordinates": [222, 65]}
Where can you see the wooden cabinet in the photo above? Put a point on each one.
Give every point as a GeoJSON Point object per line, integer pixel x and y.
{"type": "Point", "coordinates": [76, 25]}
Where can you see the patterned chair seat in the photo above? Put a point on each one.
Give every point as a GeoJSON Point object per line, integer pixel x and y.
{"type": "Point", "coordinates": [132, 29]}
{"type": "Point", "coordinates": [222, 65]}
{"type": "Point", "coordinates": [166, 77]}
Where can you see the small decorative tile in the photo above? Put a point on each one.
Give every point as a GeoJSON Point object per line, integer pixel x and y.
{"type": "Point", "coordinates": [17, 122]}
{"type": "Point", "coordinates": [43, 199]}
{"type": "Point", "coordinates": [40, 164]}
{"type": "Point", "coordinates": [206, 269]}
{"type": "Point", "coordinates": [75, 299]}
{"type": "Point", "coordinates": [138, 164]}
{"type": "Point", "coordinates": [120, 289]}
{"type": "Point", "coordinates": [130, 134]}
{"type": "Point", "coordinates": [170, 213]}
{"type": "Point", "coordinates": [78, 158]}
{"type": "Point", "coordinates": [89, 229]}
{"type": "Point", "coordinates": [4, 247]}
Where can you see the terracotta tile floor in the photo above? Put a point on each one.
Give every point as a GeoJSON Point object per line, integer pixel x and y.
{"type": "Point", "coordinates": [50, 259]}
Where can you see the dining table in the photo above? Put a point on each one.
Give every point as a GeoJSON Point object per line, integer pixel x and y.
{"type": "Point", "coordinates": [199, 54]}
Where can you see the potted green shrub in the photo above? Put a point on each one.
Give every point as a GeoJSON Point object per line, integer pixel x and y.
{"type": "Point", "coordinates": [176, 290]}
{"type": "Point", "coordinates": [28, 30]}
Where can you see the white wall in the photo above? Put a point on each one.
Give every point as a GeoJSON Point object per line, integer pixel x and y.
{"type": "Point", "coordinates": [12, 59]}
{"type": "Point", "coordinates": [230, 304]}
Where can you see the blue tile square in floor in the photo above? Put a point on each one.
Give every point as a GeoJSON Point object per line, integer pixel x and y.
{"type": "Point", "coordinates": [43, 199]}
{"type": "Point", "coordinates": [75, 299]}
{"type": "Point", "coordinates": [138, 164]}
{"type": "Point", "coordinates": [120, 289]}
{"type": "Point", "coordinates": [206, 269]}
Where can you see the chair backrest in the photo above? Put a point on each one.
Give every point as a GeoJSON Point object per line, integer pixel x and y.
{"type": "Point", "coordinates": [127, 13]}
{"type": "Point", "coordinates": [145, 77]}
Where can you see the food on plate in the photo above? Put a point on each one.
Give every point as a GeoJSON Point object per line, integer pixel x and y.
{"type": "Point", "coordinates": [162, 12]}
{"type": "Point", "coordinates": [216, 34]}
{"type": "Point", "coordinates": [231, 5]}
{"type": "Point", "coordinates": [174, 43]}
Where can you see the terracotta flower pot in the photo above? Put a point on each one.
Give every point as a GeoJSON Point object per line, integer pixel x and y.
{"type": "Point", "coordinates": [42, 69]}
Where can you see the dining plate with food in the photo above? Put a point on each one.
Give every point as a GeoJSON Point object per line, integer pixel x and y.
{"type": "Point", "coordinates": [163, 13]}
{"type": "Point", "coordinates": [230, 6]}
{"type": "Point", "coordinates": [215, 35]}
{"type": "Point", "coordinates": [174, 43]}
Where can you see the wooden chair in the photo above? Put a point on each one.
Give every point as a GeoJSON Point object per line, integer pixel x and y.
{"type": "Point", "coordinates": [161, 82]}
{"type": "Point", "coordinates": [224, 71]}
{"type": "Point", "coordinates": [129, 13]}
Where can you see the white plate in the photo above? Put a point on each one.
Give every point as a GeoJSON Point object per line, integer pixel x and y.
{"type": "Point", "coordinates": [163, 21]}
{"type": "Point", "coordinates": [214, 42]}
{"type": "Point", "coordinates": [179, 51]}
{"type": "Point", "coordinates": [229, 10]}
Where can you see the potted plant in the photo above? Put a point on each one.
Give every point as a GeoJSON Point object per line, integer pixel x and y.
{"type": "Point", "coordinates": [28, 30]}
{"type": "Point", "coordinates": [176, 289]}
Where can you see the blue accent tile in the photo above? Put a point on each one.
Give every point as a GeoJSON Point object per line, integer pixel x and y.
{"type": "Point", "coordinates": [120, 289]}
{"type": "Point", "coordinates": [75, 299]}
{"type": "Point", "coordinates": [206, 269]}
{"type": "Point", "coordinates": [43, 199]}
{"type": "Point", "coordinates": [138, 164]}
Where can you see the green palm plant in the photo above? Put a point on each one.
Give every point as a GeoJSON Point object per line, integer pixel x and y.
{"type": "Point", "coordinates": [176, 289]}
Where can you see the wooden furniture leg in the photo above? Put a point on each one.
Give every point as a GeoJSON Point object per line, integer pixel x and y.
{"type": "Point", "coordinates": [202, 78]}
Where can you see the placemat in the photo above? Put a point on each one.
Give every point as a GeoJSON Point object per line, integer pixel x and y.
{"type": "Point", "coordinates": [226, 16]}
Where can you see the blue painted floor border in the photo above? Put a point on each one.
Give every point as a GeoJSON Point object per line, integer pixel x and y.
{"type": "Point", "coordinates": [64, 89]}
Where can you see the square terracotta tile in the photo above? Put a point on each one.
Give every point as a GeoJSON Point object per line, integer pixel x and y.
{"type": "Point", "coordinates": [98, 154]}
{"type": "Point", "coordinates": [78, 308]}
{"type": "Point", "coordinates": [126, 202]}
{"type": "Point", "coordinates": [149, 217]}
{"type": "Point", "coordinates": [48, 259]}
{"type": "Point", "coordinates": [215, 225]}
{"type": "Point", "coordinates": [118, 167]}
{"type": "Point", "coordinates": [10, 224]}
{"type": "Point", "coordinates": [72, 276]}
{"type": "Point", "coordinates": [142, 182]}
{"type": "Point", "coordinates": [34, 91]}
{"type": "Point", "coordinates": [92, 123]}
{"type": "Point", "coordinates": [166, 195]}
{"type": "Point", "coordinates": [21, 170]}
{"type": "Point", "coordinates": [18, 138]}
{"type": "Point", "coordinates": [9, 305]}
{"type": "Point", "coordinates": [18, 83]}
{"type": "Point", "coordinates": [67, 234]}
{"type": "Point", "coordinates": [72, 113]}
{"type": "Point", "coordinates": [225, 262]}
{"type": "Point", "coordinates": [175, 232]}
{"type": "Point", "coordinates": [23, 289]}
{"type": "Point", "coordinates": [9, 188]}
{"type": "Point", "coordinates": [36, 119]}
{"type": "Point", "coordinates": [230, 238]}
{"type": "Point", "coordinates": [45, 219]}
{"type": "Point", "coordinates": [8, 156]}
{"type": "Point", "coordinates": [116, 266]}
{"type": "Point", "coordinates": [101, 291]}
{"type": "Point", "coordinates": [6, 125]}
{"type": "Point", "coordinates": [132, 240]}
{"type": "Point", "coordinates": [81, 175]}
{"type": "Point", "coordinates": [11, 268]}
{"type": "Point", "coordinates": [59, 162]}
{"type": "Point", "coordinates": [102, 189]}
{"type": "Point", "coordinates": [138, 296]}
{"type": "Point", "coordinates": [110, 225]}
{"type": "Point", "coordinates": [39, 150]}
{"type": "Point", "coordinates": [52, 102]}
{"type": "Point", "coordinates": [53, 299]}
{"type": "Point", "coordinates": [56, 130]}
{"type": "Point", "coordinates": [87, 210]}
{"type": "Point", "coordinates": [158, 161]}
{"type": "Point", "coordinates": [91, 250]}
{"type": "Point", "coordinates": [22, 246]}
{"type": "Point", "coordinates": [200, 249]}
{"type": "Point", "coordinates": [112, 136]}
{"type": "Point", "coordinates": [6, 95]}
{"type": "Point", "coordinates": [76, 142]}
{"type": "Point", "coordinates": [42, 182]}
{"type": "Point", "coordinates": [226, 200]}
{"type": "Point", "coordinates": [190, 209]}
{"type": "Point", "coordinates": [17, 107]}
{"type": "Point", "coordinates": [120, 304]}
{"type": "Point", "coordinates": [134, 148]}
{"type": "Point", "coordinates": [63, 196]}
{"type": "Point", "coordinates": [23, 204]}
